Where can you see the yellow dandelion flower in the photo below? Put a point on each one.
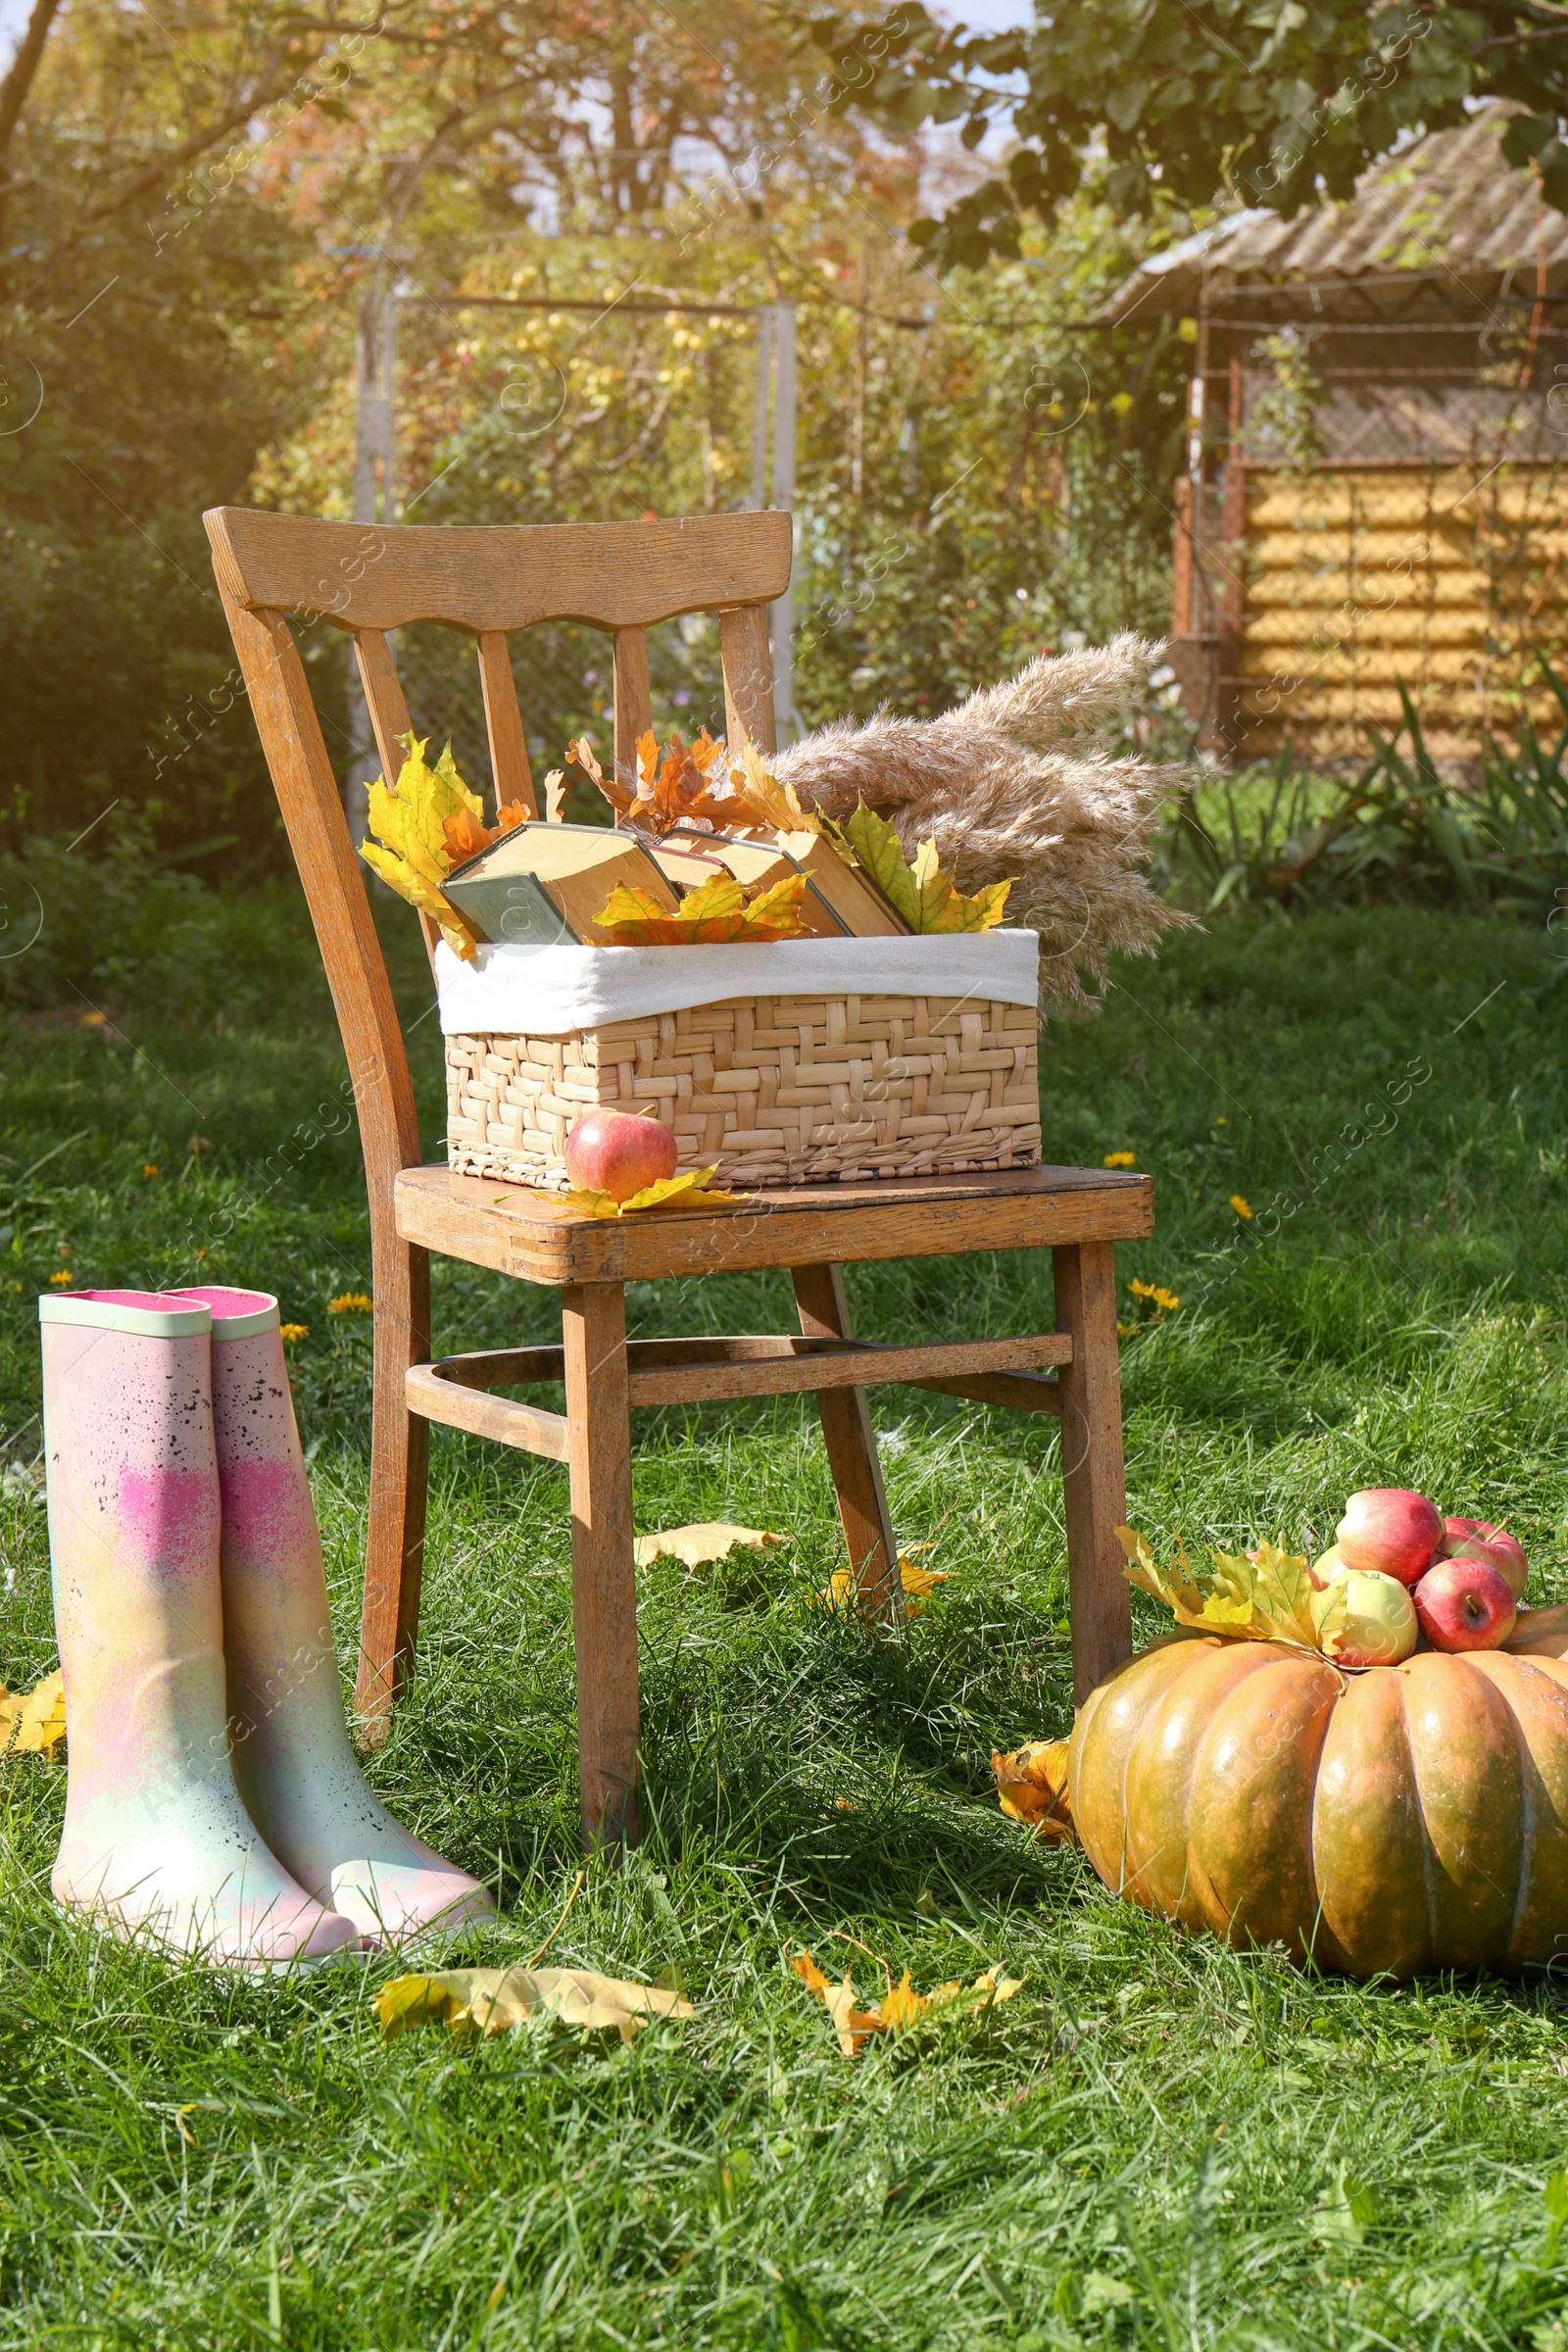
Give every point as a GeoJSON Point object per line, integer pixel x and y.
{"type": "Point", "coordinates": [92, 1020]}
{"type": "Point", "coordinates": [1120, 1160]}
{"type": "Point", "coordinates": [1157, 1295]}
{"type": "Point", "coordinates": [350, 1303]}
{"type": "Point", "coordinates": [292, 1330]}
{"type": "Point", "coordinates": [149, 1168]}
{"type": "Point", "coordinates": [1241, 1207]}
{"type": "Point", "coordinates": [58, 1282]}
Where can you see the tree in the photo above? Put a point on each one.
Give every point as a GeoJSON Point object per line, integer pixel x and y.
{"type": "Point", "coordinates": [1158, 104]}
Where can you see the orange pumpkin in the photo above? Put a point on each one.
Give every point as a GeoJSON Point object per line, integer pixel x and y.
{"type": "Point", "coordinates": [1407, 1818]}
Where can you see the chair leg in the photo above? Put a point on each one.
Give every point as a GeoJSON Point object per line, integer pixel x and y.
{"type": "Point", "coordinates": [400, 1456]}
{"type": "Point", "coordinates": [1094, 1491]}
{"type": "Point", "coordinates": [851, 1455]}
{"type": "Point", "coordinates": [604, 1586]}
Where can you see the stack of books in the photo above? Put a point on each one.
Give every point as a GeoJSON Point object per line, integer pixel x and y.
{"type": "Point", "coordinates": [545, 885]}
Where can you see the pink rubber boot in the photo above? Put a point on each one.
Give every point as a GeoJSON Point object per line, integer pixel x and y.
{"type": "Point", "coordinates": [157, 1838]}
{"type": "Point", "coordinates": [292, 1757]}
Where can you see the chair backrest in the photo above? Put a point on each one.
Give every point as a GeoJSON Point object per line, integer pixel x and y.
{"type": "Point", "coordinates": [368, 579]}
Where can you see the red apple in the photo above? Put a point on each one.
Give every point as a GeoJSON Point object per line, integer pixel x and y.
{"type": "Point", "coordinates": [1465, 1605]}
{"type": "Point", "coordinates": [1480, 1539]}
{"type": "Point", "coordinates": [613, 1152]}
{"type": "Point", "coordinates": [1390, 1529]}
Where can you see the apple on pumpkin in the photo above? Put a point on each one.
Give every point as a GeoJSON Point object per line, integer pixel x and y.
{"type": "Point", "coordinates": [1464, 1603]}
{"type": "Point", "coordinates": [618, 1152]}
{"type": "Point", "coordinates": [1481, 1539]}
{"type": "Point", "coordinates": [1364, 1618]}
{"type": "Point", "coordinates": [1390, 1529]}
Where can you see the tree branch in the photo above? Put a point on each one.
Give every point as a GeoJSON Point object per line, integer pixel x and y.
{"type": "Point", "coordinates": [25, 65]}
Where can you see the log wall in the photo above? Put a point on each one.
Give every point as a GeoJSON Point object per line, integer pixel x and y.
{"type": "Point", "coordinates": [1347, 581]}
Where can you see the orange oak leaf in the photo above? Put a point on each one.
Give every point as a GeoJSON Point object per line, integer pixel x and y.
{"type": "Point", "coordinates": [1032, 1785]}
{"type": "Point", "coordinates": [580, 753]}
{"type": "Point", "coordinates": [852, 2026]}
{"type": "Point", "coordinates": [466, 835]}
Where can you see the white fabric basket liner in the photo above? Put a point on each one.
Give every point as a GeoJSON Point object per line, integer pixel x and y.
{"type": "Point", "coordinates": [552, 992]}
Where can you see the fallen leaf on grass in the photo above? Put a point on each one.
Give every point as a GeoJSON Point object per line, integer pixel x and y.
{"type": "Point", "coordinates": [707, 1540]}
{"type": "Point", "coordinates": [32, 1723]}
{"type": "Point", "coordinates": [900, 2006]}
{"type": "Point", "coordinates": [688, 1188]}
{"type": "Point", "coordinates": [496, 2001]}
{"type": "Point", "coordinates": [1032, 1785]}
{"type": "Point", "coordinates": [918, 1586]}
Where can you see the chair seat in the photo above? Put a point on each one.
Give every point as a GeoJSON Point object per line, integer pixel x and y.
{"type": "Point", "coordinates": [538, 1238]}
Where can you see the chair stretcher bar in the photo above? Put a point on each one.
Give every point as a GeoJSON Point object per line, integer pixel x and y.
{"type": "Point", "coordinates": [454, 1391]}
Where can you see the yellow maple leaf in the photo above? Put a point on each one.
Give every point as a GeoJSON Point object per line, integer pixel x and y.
{"type": "Point", "coordinates": [761, 799]}
{"type": "Point", "coordinates": [716, 911]}
{"type": "Point", "coordinates": [901, 2007]}
{"type": "Point", "coordinates": [918, 1585]}
{"type": "Point", "coordinates": [1032, 1786]}
{"type": "Point", "coordinates": [410, 851]}
{"type": "Point", "coordinates": [706, 1541]}
{"type": "Point", "coordinates": [1263, 1596]}
{"type": "Point", "coordinates": [688, 1186]}
{"type": "Point", "coordinates": [942, 906]}
{"type": "Point", "coordinates": [497, 2000]}
{"type": "Point", "coordinates": [928, 900]}
{"type": "Point", "coordinates": [32, 1723]}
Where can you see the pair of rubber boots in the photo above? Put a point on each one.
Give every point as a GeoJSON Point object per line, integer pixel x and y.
{"type": "Point", "coordinates": [214, 1802]}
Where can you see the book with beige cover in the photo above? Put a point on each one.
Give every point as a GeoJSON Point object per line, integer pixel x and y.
{"type": "Point", "coordinates": [543, 885]}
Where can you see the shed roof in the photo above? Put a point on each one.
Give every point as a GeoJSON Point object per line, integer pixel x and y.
{"type": "Point", "coordinates": [1445, 215]}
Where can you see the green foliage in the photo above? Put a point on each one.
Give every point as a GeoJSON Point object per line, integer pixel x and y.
{"type": "Point", "coordinates": [975, 479]}
{"type": "Point", "coordinates": [191, 2159]}
{"type": "Point", "coordinates": [917, 439]}
{"type": "Point", "coordinates": [1399, 830]}
{"type": "Point", "coordinates": [1155, 106]}
{"type": "Point", "coordinates": [118, 921]}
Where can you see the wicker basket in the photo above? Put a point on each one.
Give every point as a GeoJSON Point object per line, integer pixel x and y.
{"type": "Point", "coordinates": [793, 1089]}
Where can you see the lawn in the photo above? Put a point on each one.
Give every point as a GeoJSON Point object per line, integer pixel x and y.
{"type": "Point", "coordinates": [1157, 2142]}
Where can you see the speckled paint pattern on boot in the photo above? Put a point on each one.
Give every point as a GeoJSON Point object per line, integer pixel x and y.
{"type": "Point", "coordinates": [156, 1836]}
{"type": "Point", "coordinates": [292, 1756]}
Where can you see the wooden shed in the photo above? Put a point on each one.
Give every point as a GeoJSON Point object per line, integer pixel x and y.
{"type": "Point", "coordinates": [1377, 491]}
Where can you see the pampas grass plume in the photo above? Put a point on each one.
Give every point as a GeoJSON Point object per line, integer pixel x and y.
{"type": "Point", "coordinates": [1017, 781]}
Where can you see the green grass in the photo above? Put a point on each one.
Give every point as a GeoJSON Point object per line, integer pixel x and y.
{"type": "Point", "coordinates": [1159, 2142]}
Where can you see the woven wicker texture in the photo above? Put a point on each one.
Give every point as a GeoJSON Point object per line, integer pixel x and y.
{"type": "Point", "coordinates": [768, 1089]}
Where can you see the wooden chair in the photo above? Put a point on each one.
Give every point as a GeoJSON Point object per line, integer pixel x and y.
{"type": "Point", "coordinates": [622, 577]}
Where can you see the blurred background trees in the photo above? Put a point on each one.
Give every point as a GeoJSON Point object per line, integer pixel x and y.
{"type": "Point", "coordinates": [197, 204]}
